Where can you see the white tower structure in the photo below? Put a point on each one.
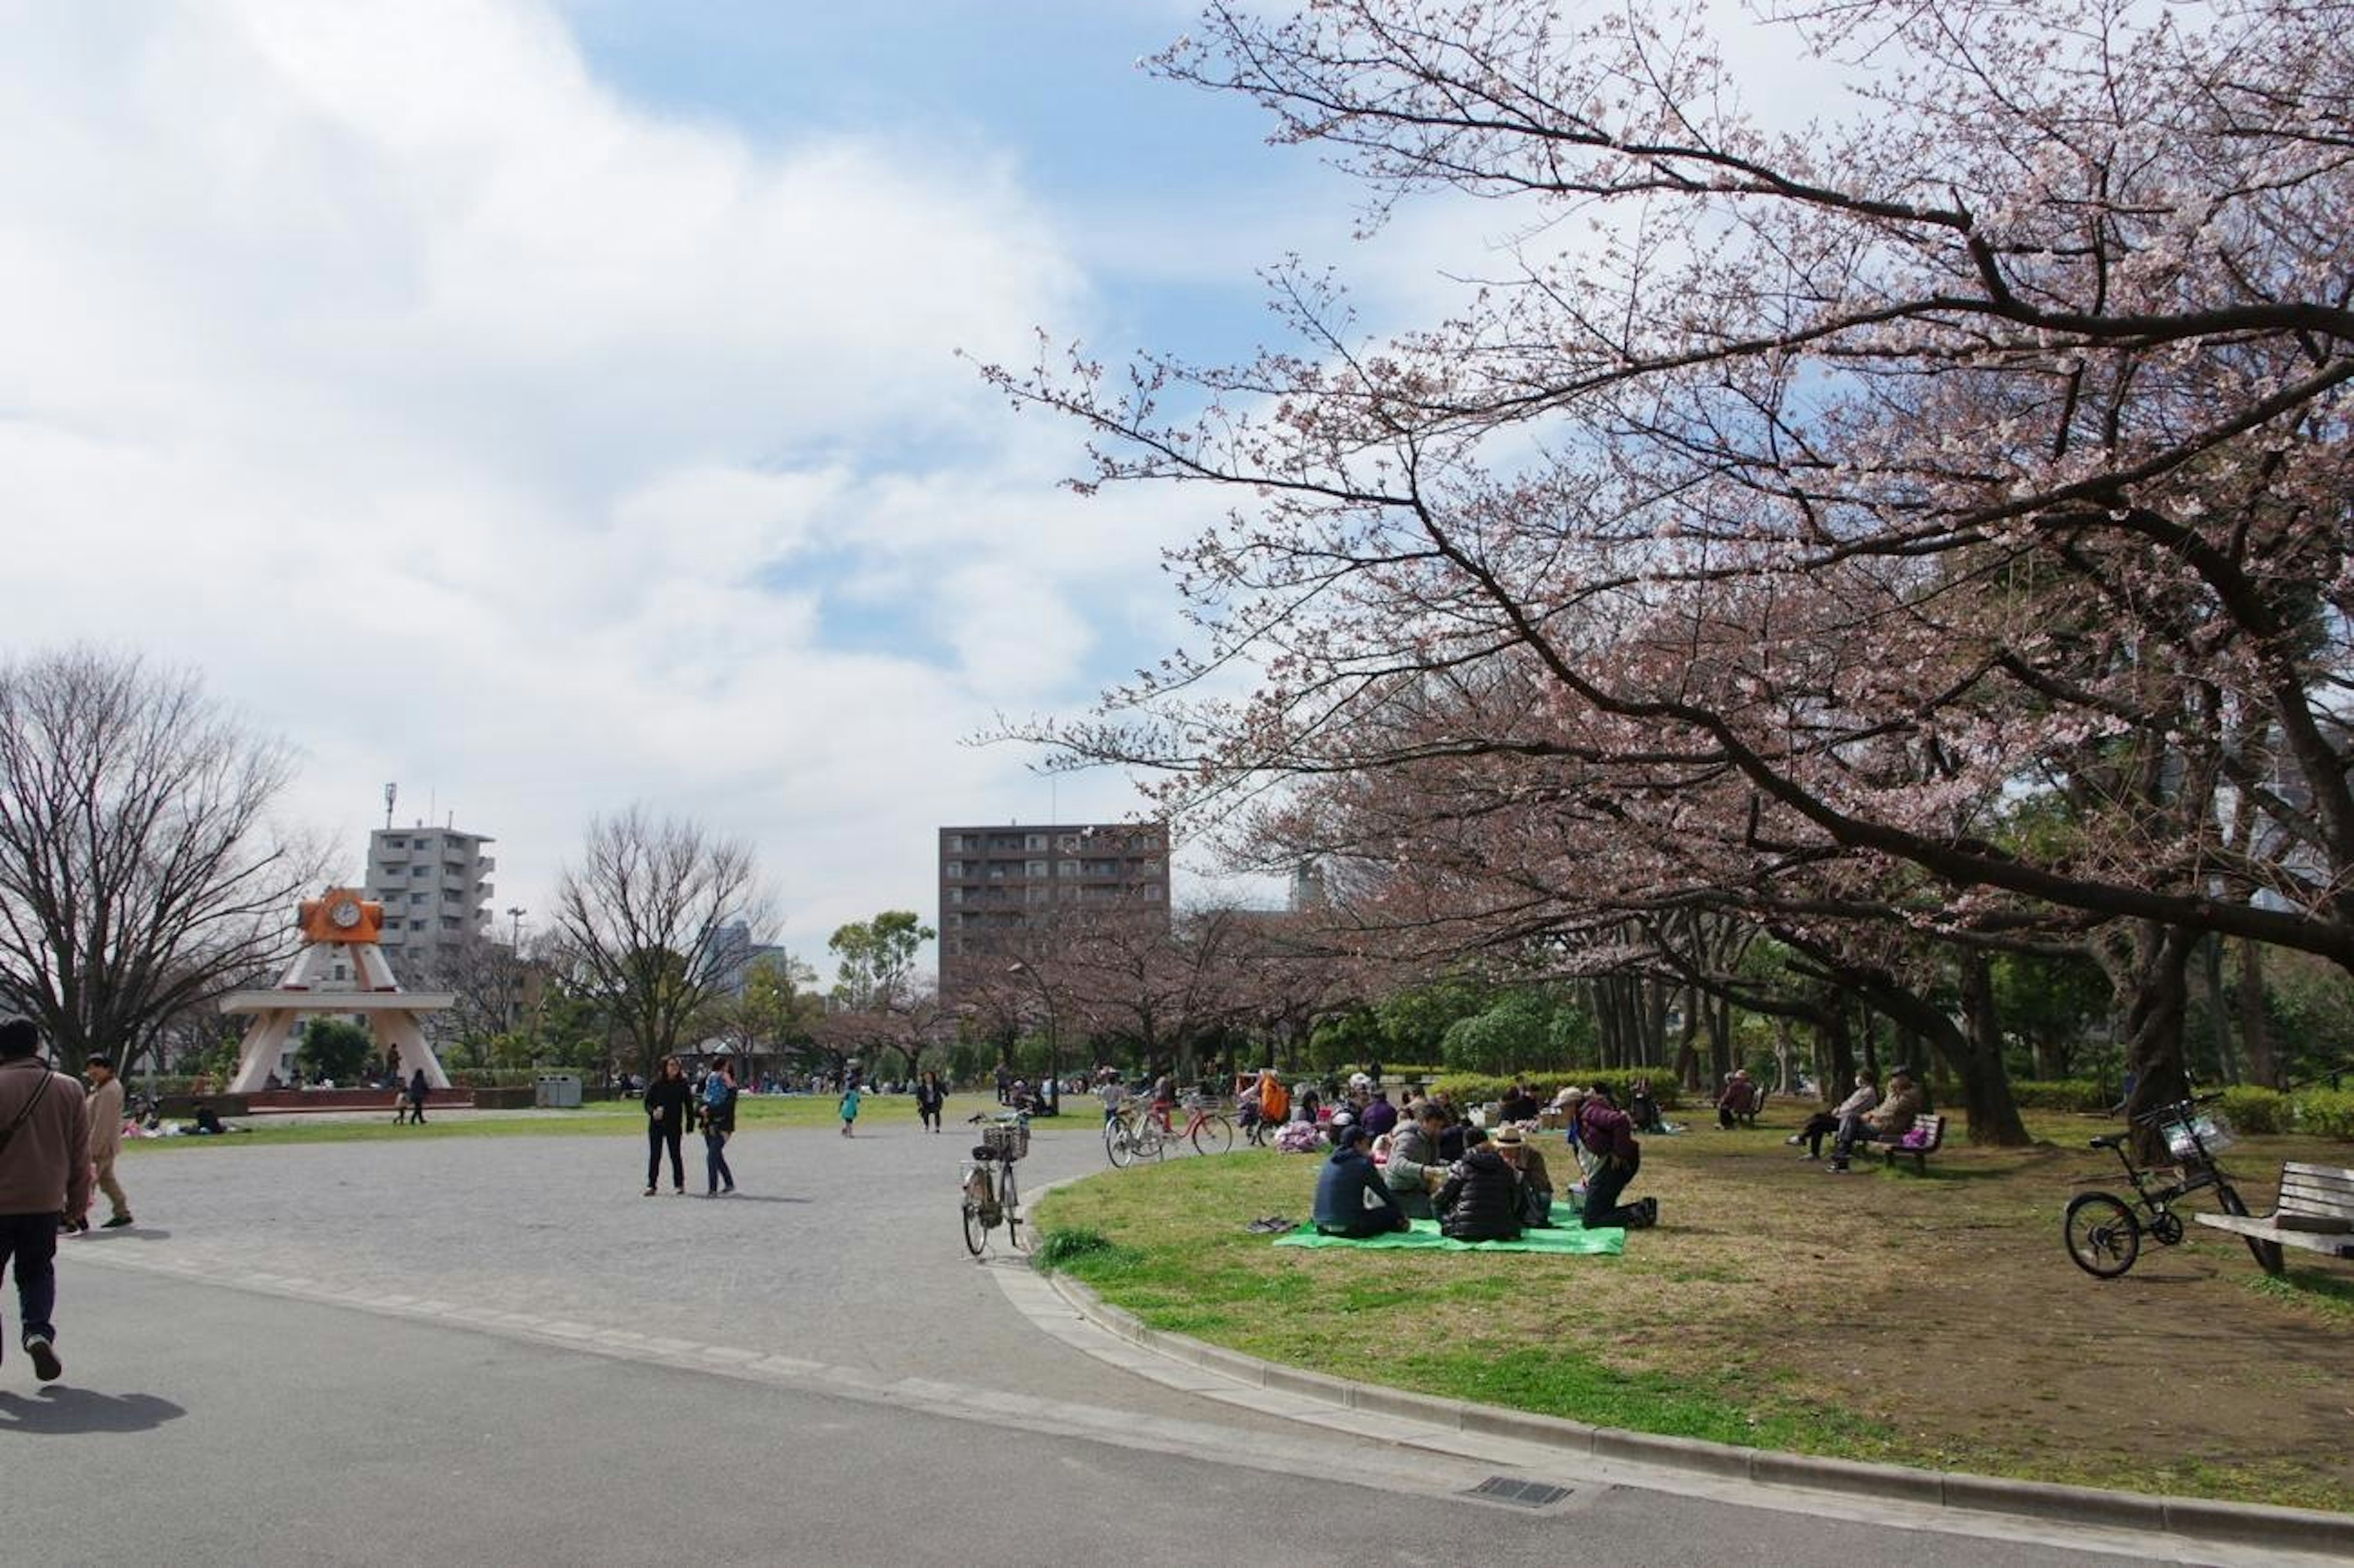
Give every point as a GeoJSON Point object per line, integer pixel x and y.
{"type": "Point", "coordinates": [340, 929]}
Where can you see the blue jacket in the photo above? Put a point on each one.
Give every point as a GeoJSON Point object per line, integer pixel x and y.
{"type": "Point", "coordinates": [1340, 1190]}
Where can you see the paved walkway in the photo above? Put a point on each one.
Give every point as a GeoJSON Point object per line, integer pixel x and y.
{"type": "Point", "coordinates": [843, 1251]}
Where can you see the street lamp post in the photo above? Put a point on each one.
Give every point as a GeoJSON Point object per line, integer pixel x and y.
{"type": "Point", "coordinates": [1053, 1095]}
{"type": "Point", "coordinates": [515, 913]}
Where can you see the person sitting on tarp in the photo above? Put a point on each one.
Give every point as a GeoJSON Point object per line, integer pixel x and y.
{"type": "Point", "coordinates": [1536, 1181]}
{"type": "Point", "coordinates": [1351, 1199]}
{"type": "Point", "coordinates": [1480, 1198]}
{"type": "Point", "coordinates": [1415, 1169]}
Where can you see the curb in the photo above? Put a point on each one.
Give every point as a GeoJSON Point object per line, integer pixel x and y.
{"type": "Point", "coordinates": [2221, 1524]}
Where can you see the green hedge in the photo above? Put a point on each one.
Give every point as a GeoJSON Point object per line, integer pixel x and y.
{"type": "Point", "coordinates": [2257, 1110]}
{"type": "Point", "coordinates": [2080, 1095]}
{"type": "Point", "coordinates": [1476, 1089]}
{"type": "Point", "coordinates": [2324, 1113]}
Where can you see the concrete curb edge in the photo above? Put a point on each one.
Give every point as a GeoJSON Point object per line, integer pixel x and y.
{"type": "Point", "coordinates": [2194, 1519]}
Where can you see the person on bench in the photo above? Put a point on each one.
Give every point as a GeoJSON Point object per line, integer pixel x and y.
{"type": "Point", "coordinates": [1352, 1200]}
{"type": "Point", "coordinates": [1739, 1101]}
{"type": "Point", "coordinates": [1822, 1124]}
{"type": "Point", "coordinates": [1888, 1124]}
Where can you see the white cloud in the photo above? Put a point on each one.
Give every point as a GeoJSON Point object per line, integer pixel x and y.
{"type": "Point", "coordinates": [477, 430]}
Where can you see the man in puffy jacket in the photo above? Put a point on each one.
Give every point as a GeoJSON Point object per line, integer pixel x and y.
{"type": "Point", "coordinates": [1415, 1168]}
{"type": "Point", "coordinates": [1608, 1135]}
{"type": "Point", "coordinates": [1480, 1198]}
{"type": "Point", "coordinates": [1351, 1198]}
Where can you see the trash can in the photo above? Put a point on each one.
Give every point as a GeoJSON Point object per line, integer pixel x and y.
{"type": "Point", "coordinates": [558, 1091]}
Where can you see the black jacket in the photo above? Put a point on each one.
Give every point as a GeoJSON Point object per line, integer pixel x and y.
{"type": "Point", "coordinates": [1351, 1198]}
{"type": "Point", "coordinates": [673, 1098]}
{"type": "Point", "coordinates": [1480, 1198]}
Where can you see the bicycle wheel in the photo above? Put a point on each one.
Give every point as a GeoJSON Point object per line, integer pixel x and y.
{"type": "Point", "coordinates": [2103, 1234]}
{"type": "Point", "coordinates": [2268, 1253]}
{"type": "Point", "coordinates": [1151, 1144]}
{"type": "Point", "coordinates": [1119, 1147]}
{"type": "Point", "coordinates": [1010, 1202]}
{"type": "Point", "coordinates": [1213, 1135]}
{"type": "Point", "coordinates": [976, 1235]}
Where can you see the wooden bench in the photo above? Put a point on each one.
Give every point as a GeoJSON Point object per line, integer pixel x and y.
{"type": "Point", "coordinates": [1926, 1137]}
{"type": "Point", "coordinates": [2316, 1212]}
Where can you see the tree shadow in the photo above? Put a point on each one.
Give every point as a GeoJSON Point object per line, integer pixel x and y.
{"type": "Point", "coordinates": [61, 1412]}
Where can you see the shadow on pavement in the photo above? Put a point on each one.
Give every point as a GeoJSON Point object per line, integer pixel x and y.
{"type": "Point", "coordinates": [96, 1235]}
{"type": "Point", "coordinates": [64, 1412]}
{"type": "Point", "coordinates": [763, 1198]}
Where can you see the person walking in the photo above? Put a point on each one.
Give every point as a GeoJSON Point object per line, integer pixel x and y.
{"type": "Point", "coordinates": [417, 1089]}
{"type": "Point", "coordinates": [106, 1140]}
{"type": "Point", "coordinates": [44, 1181]}
{"type": "Point", "coordinates": [668, 1099]}
{"type": "Point", "coordinates": [849, 1107]}
{"type": "Point", "coordinates": [718, 1123]}
{"type": "Point", "coordinates": [930, 1098]}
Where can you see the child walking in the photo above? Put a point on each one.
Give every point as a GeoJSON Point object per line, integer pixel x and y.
{"type": "Point", "coordinates": [848, 1109]}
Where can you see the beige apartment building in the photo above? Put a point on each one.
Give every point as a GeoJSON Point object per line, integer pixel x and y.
{"type": "Point", "coordinates": [999, 884]}
{"type": "Point", "coordinates": [435, 887]}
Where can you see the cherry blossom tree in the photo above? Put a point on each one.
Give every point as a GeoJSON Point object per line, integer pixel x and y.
{"type": "Point", "coordinates": [1990, 439]}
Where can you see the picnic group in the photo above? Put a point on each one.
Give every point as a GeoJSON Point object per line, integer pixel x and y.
{"type": "Point", "coordinates": [1481, 1177]}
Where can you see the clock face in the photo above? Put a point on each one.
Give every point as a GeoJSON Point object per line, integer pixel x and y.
{"type": "Point", "coordinates": [345, 914]}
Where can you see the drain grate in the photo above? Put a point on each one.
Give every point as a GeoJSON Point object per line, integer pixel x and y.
{"type": "Point", "coordinates": [1520, 1494]}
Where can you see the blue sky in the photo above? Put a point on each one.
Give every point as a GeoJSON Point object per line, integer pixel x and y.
{"type": "Point", "coordinates": [550, 405]}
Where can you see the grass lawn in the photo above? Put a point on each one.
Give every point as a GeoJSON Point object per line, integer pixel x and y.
{"type": "Point", "coordinates": [1929, 1320]}
{"type": "Point", "coordinates": [612, 1117]}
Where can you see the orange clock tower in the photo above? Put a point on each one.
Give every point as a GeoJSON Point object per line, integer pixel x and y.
{"type": "Point", "coordinates": [340, 970]}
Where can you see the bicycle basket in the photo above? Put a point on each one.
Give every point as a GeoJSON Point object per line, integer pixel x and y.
{"type": "Point", "coordinates": [2187, 1132]}
{"type": "Point", "coordinates": [1010, 1139]}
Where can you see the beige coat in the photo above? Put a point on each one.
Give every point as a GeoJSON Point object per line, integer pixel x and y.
{"type": "Point", "coordinates": [106, 1120]}
{"type": "Point", "coordinates": [45, 1168]}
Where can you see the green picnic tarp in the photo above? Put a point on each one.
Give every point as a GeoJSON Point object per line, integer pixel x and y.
{"type": "Point", "coordinates": [1569, 1238]}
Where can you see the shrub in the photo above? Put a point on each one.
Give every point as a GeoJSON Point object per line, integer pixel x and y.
{"type": "Point", "coordinates": [2324, 1113]}
{"type": "Point", "coordinates": [2081, 1095]}
{"type": "Point", "coordinates": [1476, 1089]}
{"type": "Point", "coordinates": [2252, 1109]}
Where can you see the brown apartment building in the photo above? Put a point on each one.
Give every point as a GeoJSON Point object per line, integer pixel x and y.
{"type": "Point", "coordinates": [1001, 884]}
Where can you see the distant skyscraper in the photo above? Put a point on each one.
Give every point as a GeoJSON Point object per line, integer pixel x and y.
{"type": "Point", "coordinates": [1001, 884]}
{"type": "Point", "coordinates": [434, 884]}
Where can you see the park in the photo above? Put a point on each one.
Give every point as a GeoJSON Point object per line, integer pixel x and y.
{"type": "Point", "coordinates": [1734, 621]}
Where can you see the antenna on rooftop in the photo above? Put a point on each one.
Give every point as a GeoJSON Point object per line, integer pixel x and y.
{"type": "Point", "coordinates": [391, 793]}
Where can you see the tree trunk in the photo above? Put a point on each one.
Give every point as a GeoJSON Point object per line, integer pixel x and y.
{"type": "Point", "coordinates": [2210, 967]}
{"type": "Point", "coordinates": [2154, 1014]}
{"type": "Point", "coordinates": [1986, 1083]}
{"type": "Point", "coordinates": [2262, 1067]}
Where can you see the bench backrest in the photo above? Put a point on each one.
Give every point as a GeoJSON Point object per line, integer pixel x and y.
{"type": "Point", "coordinates": [2326, 1190]}
{"type": "Point", "coordinates": [1925, 1133]}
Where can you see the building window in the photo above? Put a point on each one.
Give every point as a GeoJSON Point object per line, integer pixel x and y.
{"type": "Point", "coordinates": [1069, 843]}
{"type": "Point", "coordinates": [396, 844]}
{"type": "Point", "coordinates": [1035, 894]}
{"type": "Point", "coordinates": [1034, 868]}
{"type": "Point", "coordinates": [956, 843]}
{"type": "Point", "coordinates": [1034, 842]}
{"type": "Point", "coordinates": [1067, 868]}
{"type": "Point", "coordinates": [422, 871]}
{"type": "Point", "coordinates": [417, 925]}
{"type": "Point", "coordinates": [956, 895]}
{"type": "Point", "coordinates": [997, 872]}
{"type": "Point", "coordinates": [954, 868]}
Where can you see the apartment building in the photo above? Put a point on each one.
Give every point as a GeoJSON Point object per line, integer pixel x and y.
{"type": "Point", "coordinates": [435, 887]}
{"type": "Point", "coordinates": [999, 884]}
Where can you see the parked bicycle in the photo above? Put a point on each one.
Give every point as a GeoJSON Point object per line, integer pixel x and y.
{"type": "Point", "coordinates": [1131, 1135]}
{"type": "Point", "coordinates": [986, 1189]}
{"type": "Point", "coordinates": [2103, 1232]}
